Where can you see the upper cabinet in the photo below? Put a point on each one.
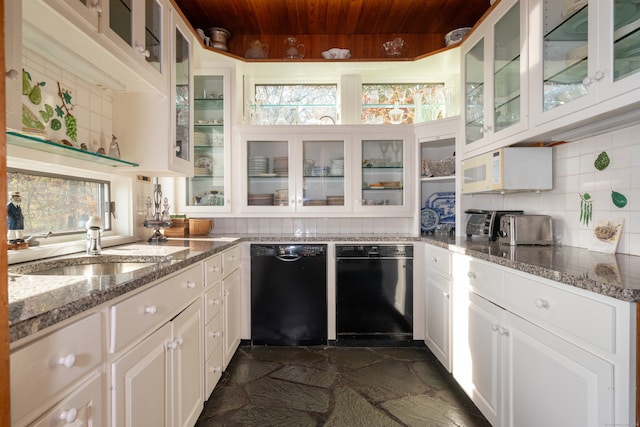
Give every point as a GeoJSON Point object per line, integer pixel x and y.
{"type": "Point", "coordinates": [88, 10]}
{"type": "Point", "coordinates": [137, 27]}
{"type": "Point", "coordinates": [495, 76]}
{"type": "Point", "coordinates": [582, 54]}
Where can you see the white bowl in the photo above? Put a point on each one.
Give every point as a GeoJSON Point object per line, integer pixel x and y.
{"type": "Point", "coordinates": [336, 53]}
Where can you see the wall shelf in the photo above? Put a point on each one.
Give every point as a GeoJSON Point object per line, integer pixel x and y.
{"type": "Point", "coordinates": [27, 141]}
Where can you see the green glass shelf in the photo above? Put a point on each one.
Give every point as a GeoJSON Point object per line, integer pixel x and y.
{"type": "Point", "coordinates": [35, 143]}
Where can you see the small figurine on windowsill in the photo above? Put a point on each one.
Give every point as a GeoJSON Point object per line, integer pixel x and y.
{"type": "Point", "coordinates": [15, 222]}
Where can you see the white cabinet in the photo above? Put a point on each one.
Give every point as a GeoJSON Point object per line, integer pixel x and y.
{"type": "Point", "coordinates": [232, 303]}
{"type": "Point", "coordinates": [139, 29]}
{"type": "Point", "coordinates": [522, 344]}
{"type": "Point", "coordinates": [208, 188]}
{"type": "Point", "coordinates": [495, 77]}
{"type": "Point", "coordinates": [438, 303]}
{"type": "Point", "coordinates": [13, 63]}
{"type": "Point", "coordinates": [581, 57]}
{"type": "Point", "coordinates": [213, 332]}
{"type": "Point", "coordinates": [60, 362]}
{"type": "Point", "coordinates": [159, 381]}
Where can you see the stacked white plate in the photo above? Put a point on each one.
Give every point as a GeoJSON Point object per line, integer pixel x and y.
{"type": "Point", "coordinates": [281, 166]}
{"type": "Point", "coordinates": [260, 199]}
{"type": "Point", "coordinates": [258, 165]}
{"type": "Point", "coordinates": [337, 167]}
{"type": "Point", "coordinates": [201, 138]}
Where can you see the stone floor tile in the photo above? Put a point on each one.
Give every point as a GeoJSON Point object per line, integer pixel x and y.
{"type": "Point", "coordinates": [386, 380]}
{"type": "Point", "coordinates": [245, 371]}
{"type": "Point", "coordinates": [425, 411]}
{"type": "Point", "coordinates": [353, 358]}
{"type": "Point", "coordinates": [304, 356]}
{"type": "Point", "coordinates": [353, 410]}
{"type": "Point", "coordinates": [307, 376]}
{"type": "Point", "coordinates": [271, 417]}
{"type": "Point", "coordinates": [432, 374]}
{"type": "Point", "coordinates": [225, 397]}
{"type": "Point", "coordinates": [272, 392]}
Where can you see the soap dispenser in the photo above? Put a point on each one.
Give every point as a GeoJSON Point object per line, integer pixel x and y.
{"type": "Point", "coordinates": [94, 230]}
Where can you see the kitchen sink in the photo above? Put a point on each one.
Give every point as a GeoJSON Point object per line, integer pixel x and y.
{"type": "Point", "coordinates": [95, 269]}
{"type": "Point", "coordinates": [108, 265]}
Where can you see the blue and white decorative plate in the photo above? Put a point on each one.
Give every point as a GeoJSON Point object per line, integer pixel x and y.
{"type": "Point", "coordinates": [444, 203]}
{"type": "Point", "coordinates": [429, 219]}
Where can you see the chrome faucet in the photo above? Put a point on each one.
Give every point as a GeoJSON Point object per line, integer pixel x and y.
{"type": "Point", "coordinates": [94, 225]}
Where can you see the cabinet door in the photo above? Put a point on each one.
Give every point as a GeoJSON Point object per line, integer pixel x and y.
{"type": "Point", "coordinates": [437, 335]}
{"type": "Point", "coordinates": [232, 310]}
{"type": "Point", "coordinates": [208, 189]}
{"type": "Point", "coordinates": [268, 183]}
{"type": "Point", "coordinates": [141, 381]}
{"type": "Point", "coordinates": [181, 150]}
{"type": "Point", "coordinates": [477, 354]}
{"type": "Point", "coordinates": [382, 181]}
{"type": "Point", "coordinates": [554, 383]}
{"type": "Point", "coordinates": [188, 361]}
{"type": "Point", "coordinates": [323, 166]}
{"type": "Point", "coordinates": [475, 90]}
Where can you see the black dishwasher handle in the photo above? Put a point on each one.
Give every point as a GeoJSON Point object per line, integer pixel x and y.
{"type": "Point", "coordinates": [288, 258]}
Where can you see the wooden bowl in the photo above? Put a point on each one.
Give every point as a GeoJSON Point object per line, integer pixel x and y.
{"type": "Point", "coordinates": [199, 227]}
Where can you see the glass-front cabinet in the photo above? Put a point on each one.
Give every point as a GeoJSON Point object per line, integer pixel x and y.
{"type": "Point", "coordinates": [382, 179]}
{"type": "Point", "coordinates": [136, 26]}
{"type": "Point", "coordinates": [582, 53]}
{"type": "Point", "coordinates": [181, 149]}
{"type": "Point", "coordinates": [304, 173]}
{"type": "Point", "coordinates": [495, 77]}
{"type": "Point", "coordinates": [208, 186]}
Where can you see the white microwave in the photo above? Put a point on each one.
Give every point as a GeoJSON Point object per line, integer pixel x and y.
{"type": "Point", "coordinates": [509, 169]}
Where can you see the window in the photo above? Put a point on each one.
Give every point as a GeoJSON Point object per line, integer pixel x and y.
{"type": "Point", "coordinates": [57, 203]}
{"type": "Point", "coordinates": [404, 102]}
{"type": "Point", "coordinates": [294, 104]}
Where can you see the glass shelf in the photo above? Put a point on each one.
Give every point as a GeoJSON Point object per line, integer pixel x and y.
{"type": "Point", "coordinates": [209, 125]}
{"type": "Point", "coordinates": [35, 143]}
{"type": "Point", "coordinates": [572, 74]}
{"type": "Point", "coordinates": [575, 28]}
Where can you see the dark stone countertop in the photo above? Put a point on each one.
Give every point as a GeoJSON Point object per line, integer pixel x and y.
{"type": "Point", "coordinates": [36, 302]}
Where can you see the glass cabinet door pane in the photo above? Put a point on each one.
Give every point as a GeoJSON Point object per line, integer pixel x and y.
{"type": "Point", "coordinates": [506, 83]}
{"type": "Point", "coordinates": [323, 173]}
{"type": "Point", "coordinates": [268, 173]}
{"type": "Point", "coordinates": [206, 187]}
{"type": "Point", "coordinates": [153, 33]}
{"type": "Point", "coordinates": [626, 38]}
{"type": "Point", "coordinates": [382, 172]}
{"type": "Point", "coordinates": [183, 98]}
{"type": "Point", "coordinates": [564, 55]}
{"type": "Point", "coordinates": [474, 92]}
{"type": "Point", "coordinates": [121, 19]}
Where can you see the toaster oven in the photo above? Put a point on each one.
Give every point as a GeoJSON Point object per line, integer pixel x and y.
{"type": "Point", "coordinates": [485, 223]}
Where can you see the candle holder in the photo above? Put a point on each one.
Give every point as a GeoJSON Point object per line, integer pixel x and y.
{"type": "Point", "coordinates": [159, 218]}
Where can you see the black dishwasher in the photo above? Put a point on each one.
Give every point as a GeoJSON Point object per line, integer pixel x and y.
{"type": "Point", "coordinates": [288, 294]}
{"type": "Point", "coordinates": [374, 293]}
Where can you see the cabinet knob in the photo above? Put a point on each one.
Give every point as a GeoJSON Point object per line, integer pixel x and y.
{"type": "Point", "coordinates": [471, 275]}
{"type": "Point", "coordinates": [434, 259]}
{"type": "Point", "coordinates": [216, 369]}
{"type": "Point", "coordinates": [69, 416]}
{"type": "Point", "coordinates": [150, 309]}
{"type": "Point", "coordinates": [215, 334]}
{"type": "Point", "coordinates": [171, 345]}
{"type": "Point", "coordinates": [494, 327]}
{"type": "Point", "coordinates": [142, 49]}
{"type": "Point", "coordinates": [67, 361]}
{"type": "Point", "coordinates": [190, 285]}
{"type": "Point", "coordinates": [445, 294]}
{"type": "Point", "coordinates": [214, 269]}
{"type": "Point", "coordinates": [214, 301]}
{"type": "Point", "coordinates": [540, 303]}
{"type": "Point", "coordinates": [503, 331]}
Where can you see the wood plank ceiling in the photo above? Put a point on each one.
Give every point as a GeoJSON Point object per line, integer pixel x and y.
{"type": "Point", "coordinates": [335, 23]}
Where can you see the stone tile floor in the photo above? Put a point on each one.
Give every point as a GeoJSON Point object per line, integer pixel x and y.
{"type": "Point", "coordinates": [338, 386]}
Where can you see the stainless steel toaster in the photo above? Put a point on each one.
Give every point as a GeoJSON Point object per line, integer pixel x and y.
{"type": "Point", "coordinates": [525, 230]}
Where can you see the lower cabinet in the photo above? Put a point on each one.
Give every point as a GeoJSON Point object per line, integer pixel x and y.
{"type": "Point", "coordinates": [159, 382]}
{"type": "Point", "coordinates": [438, 304]}
{"type": "Point", "coordinates": [232, 315]}
{"type": "Point", "coordinates": [522, 370]}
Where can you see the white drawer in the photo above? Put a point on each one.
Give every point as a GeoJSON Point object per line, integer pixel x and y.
{"type": "Point", "coordinates": [567, 313]}
{"type": "Point", "coordinates": [83, 407]}
{"type": "Point", "coordinates": [147, 310]}
{"type": "Point", "coordinates": [213, 372]}
{"type": "Point", "coordinates": [212, 302]}
{"type": "Point", "coordinates": [45, 367]}
{"type": "Point", "coordinates": [213, 335]}
{"type": "Point", "coordinates": [482, 278]}
{"type": "Point", "coordinates": [438, 260]}
{"type": "Point", "coordinates": [230, 260]}
{"type": "Point", "coordinates": [212, 270]}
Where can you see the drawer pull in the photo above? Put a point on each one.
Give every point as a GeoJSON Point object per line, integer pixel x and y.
{"type": "Point", "coordinates": [214, 301]}
{"type": "Point", "coordinates": [150, 309]}
{"type": "Point", "coordinates": [434, 259]}
{"type": "Point", "coordinates": [445, 294]}
{"type": "Point", "coordinates": [190, 285]}
{"type": "Point", "coordinates": [67, 361]}
{"type": "Point", "coordinates": [214, 269]}
{"type": "Point", "coordinates": [540, 303]}
{"type": "Point", "coordinates": [69, 416]}
{"type": "Point", "coordinates": [171, 345]}
{"type": "Point", "coordinates": [216, 369]}
{"type": "Point", "coordinates": [214, 334]}
{"type": "Point", "coordinates": [471, 275]}
{"type": "Point", "coordinates": [503, 331]}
